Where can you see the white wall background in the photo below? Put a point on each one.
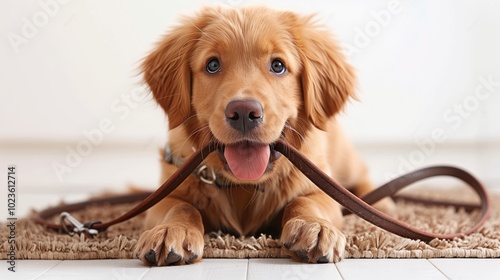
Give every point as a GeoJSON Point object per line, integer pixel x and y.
{"type": "Point", "coordinates": [68, 66]}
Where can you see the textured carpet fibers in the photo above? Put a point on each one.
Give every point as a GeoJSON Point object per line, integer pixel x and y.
{"type": "Point", "coordinates": [363, 239]}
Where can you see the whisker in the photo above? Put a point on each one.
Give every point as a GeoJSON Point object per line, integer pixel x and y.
{"type": "Point", "coordinates": [302, 138]}
{"type": "Point", "coordinates": [201, 31]}
{"type": "Point", "coordinates": [184, 44]}
{"type": "Point", "coordinates": [186, 141]}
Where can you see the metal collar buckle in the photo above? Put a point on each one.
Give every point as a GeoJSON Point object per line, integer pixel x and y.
{"type": "Point", "coordinates": [206, 174]}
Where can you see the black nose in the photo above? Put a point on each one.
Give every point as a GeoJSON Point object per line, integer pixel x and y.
{"type": "Point", "coordinates": [244, 115]}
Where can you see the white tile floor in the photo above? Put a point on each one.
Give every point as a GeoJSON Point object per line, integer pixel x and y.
{"type": "Point", "coordinates": [257, 269]}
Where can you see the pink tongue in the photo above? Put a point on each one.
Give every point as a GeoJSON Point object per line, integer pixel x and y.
{"type": "Point", "coordinates": [246, 160]}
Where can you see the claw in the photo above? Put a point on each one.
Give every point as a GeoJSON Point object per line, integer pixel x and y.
{"type": "Point", "coordinates": [323, 259]}
{"type": "Point", "coordinates": [173, 257]}
{"type": "Point", "coordinates": [303, 255]}
{"type": "Point", "coordinates": [192, 259]}
{"type": "Point", "coordinates": [150, 256]}
{"type": "Point", "coordinates": [337, 257]}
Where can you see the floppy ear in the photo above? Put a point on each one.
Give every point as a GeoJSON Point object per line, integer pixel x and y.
{"type": "Point", "coordinates": [328, 81]}
{"type": "Point", "coordinates": [168, 74]}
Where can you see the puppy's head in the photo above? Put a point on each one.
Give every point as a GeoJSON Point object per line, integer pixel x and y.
{"type": "Point", "coordinates": [246, 77]}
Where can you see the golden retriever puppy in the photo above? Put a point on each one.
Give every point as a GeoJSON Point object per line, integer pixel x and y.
{"type": "Point", "coordinates": [245, 78]}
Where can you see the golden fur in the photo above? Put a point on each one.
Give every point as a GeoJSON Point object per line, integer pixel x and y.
{"type": "Point", "coordinates": [299, 106]}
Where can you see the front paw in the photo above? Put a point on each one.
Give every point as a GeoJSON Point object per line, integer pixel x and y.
{"type": "Point", "coordinates": [313, 240]}
{"type": "Point", "coordinates": [171, 244]}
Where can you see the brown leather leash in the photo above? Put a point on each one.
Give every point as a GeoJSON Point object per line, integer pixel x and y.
{"type": "Point", "coordinates": [352, 203]}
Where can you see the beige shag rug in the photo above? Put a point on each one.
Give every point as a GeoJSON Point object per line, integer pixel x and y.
{"type": "Point", "coordinates": [363, 239]}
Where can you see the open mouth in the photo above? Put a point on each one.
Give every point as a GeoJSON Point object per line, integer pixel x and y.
{"type": "Point", "coordinates": [247, 160]}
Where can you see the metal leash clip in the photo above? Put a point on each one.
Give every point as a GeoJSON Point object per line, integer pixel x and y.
{"type": "Point", "coordinates": [71, 226]}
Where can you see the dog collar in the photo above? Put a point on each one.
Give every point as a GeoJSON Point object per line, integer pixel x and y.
{"type": "Point", "coordinates": [204, 173]}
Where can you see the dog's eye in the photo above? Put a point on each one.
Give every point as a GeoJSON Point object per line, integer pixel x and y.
{"type": "Point", "coordinates": [213, 66]}
{"type": "Point", "coordinates": [278, 67]}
